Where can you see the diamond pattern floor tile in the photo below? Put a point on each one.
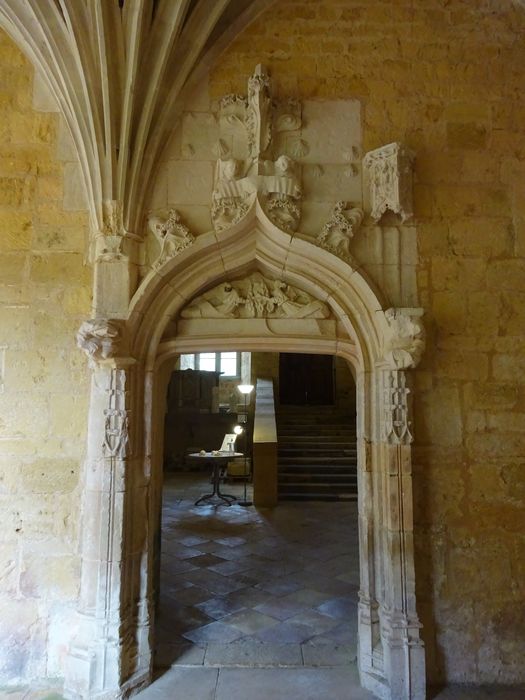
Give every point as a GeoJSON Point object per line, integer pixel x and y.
{"type": "Point", "coordinates": [241, 586]}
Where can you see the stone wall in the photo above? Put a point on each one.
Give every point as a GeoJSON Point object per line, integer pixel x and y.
{"type": "Point", "coordinates": [44, 294]}
{"type": "Point", "coordinates": [446, 79]}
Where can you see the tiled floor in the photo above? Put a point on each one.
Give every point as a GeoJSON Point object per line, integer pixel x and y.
{"type": "Point", "coordinates": [248, 587]}
{"type": "Point", "coordinates": [258, 604]}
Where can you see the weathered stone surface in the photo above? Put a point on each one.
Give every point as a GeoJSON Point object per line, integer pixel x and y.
{"type": "Point", "coordinates": [44, 291]}
{"type": "Point", "coordinates": [49, 576]}
{"type": "Point", "coordinates": [446, 79]}
{"type": "Point", "coordinates": [50, 476]}
{"type": "Point", "coordinates": [469, 139]}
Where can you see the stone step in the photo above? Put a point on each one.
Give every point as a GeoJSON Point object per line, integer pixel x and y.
{"type": "Point", "coordinates": [348, 422]}
{"type": "Point", "coordinates": [314, 430]}
{"type": "Point", "coordinates": [313, 469]}
{"type": "Point", "coordinates": [329, 450]}
{"type": "Point", "coordinates": [316, 459]}
{"type": "Point", "coordinates": [285, 410]}
{"type": "Point", "coordinates": [317, 454]}
{"type": "Point", "coordinates": [317, 487]}
{"type": "Point", "coordinates": [307, 440]}
{"type": "Point", "coordinates": [318, 497]}
{"type": "Point", "coordinates": [339, 480]}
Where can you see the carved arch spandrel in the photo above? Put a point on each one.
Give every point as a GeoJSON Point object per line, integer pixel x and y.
{"type": "Point", "coordinates": [256, 244]}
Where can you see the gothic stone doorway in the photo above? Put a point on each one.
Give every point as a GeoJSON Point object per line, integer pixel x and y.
{"type": "Point", "coordinates": [111, 652]}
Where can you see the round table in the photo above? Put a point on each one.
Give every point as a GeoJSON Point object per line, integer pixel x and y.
{"type": "Point", "coordinates": [216, 460]}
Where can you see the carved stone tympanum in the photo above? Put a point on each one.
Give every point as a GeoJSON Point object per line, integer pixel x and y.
{"type": "Point", "coordinates": [339, 229]}
{"type": "Point", "coordinates": [273, 177]}
{"type": "Point", "coordinates": [389, 175]}
{"type": "Point", "coordinates": [172, 235]}
{"type": "Point", "coordinates": [256, 297]}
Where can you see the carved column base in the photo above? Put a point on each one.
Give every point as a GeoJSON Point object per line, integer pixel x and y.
{"type": "Point", "coordinates": [88, 669]}
{"type": "Point", "coordinates": [404, 657]}
{"type": "Point", "coordinates": [370, 663]}
{"type": "Point", "coordinates": [105, 660]}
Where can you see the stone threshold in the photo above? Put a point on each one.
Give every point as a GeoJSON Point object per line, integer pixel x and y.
{"type": "Point", "coordinates": [255, 655]}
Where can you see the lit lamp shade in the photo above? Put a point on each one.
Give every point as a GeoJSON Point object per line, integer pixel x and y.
{"type": "Point", "coordinates": [238, 429]}
{"type": "Point", "coordinates": [245, 388]}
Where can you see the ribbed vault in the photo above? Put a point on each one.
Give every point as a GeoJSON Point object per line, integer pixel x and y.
{"type": "Point", "coordinates": [119, 70]}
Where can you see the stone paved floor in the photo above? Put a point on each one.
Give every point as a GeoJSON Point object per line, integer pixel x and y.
{"type": "Point", "coordinates": [258, 604]}
{"type": "Point", "coordinates": [248, 587]}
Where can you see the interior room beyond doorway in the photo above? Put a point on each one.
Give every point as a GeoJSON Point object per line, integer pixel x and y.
{"type": "Point", "coordinates": [254, 587]}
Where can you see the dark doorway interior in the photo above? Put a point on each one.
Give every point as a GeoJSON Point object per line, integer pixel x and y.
{"type": "Point", "coordinates": [306, 379]}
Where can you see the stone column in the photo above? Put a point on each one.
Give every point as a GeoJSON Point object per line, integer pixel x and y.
{"type": "Point", "coordinates": [105, 654]}
{"type": "Point", "coordinates": [115, 269]}
{"type": "Point", "coordinates": [368, 617]}
{"type": "Point", "coordinates": [403, 650]}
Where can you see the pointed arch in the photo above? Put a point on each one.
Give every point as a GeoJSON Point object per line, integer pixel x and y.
{"type": "Point", "coordinates": [256, 243]}
{"type": "Point", "coordinates": [112, 651]}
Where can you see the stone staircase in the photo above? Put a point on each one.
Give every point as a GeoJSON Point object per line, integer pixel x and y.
{"type": "Point", "coordinates": [316, 453]}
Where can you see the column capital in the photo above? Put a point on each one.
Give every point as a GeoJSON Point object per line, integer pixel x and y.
{"type": "Point", "coordinates": [403, 338]}
{"type": "Point", "coordinates": [101, 339]}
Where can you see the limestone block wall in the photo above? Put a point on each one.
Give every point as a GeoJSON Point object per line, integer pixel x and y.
{"type": "Point", "coordinates": [44, 294]}
{"type": "Point", "coordinates": [446, 79]}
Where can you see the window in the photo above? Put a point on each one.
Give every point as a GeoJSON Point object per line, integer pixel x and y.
{"type": "Point", "coordinates": [227, 363]}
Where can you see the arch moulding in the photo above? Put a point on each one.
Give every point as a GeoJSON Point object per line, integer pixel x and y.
{"type": "Point", "coordinates": [111, 651]}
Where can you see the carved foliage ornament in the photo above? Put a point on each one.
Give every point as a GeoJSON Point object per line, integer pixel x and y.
{"type": "Point", "coordinates": [273, 178]}
{"type": "Point", "coordinates": [256, 297]}
{"type": "Point", "coordinates": [99, 338]}
{"type": "Point", "coordinates": [172, 235]}
{"type": "Point", "coordinates": [339, 229]}
{"type": "Point", "coordinates": [389, 175]}
{"type": "Point", "coordinates": [403, 337]}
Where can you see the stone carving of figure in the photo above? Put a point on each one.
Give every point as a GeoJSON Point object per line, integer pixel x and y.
{"type": "Point", "coordinates": [227, 169]}
{"type": "Point", "coordinates": [99, 338]}
{"type": "Point", "coordinates": [276, 183]}
{"type": "Point", "coordinates": [404, 338]}
{"type": "Point", "coordinates": [293, 304]}
{"type": "Point", "coordinates": [259, 112]}
{"type": "Point", "coordinates": [258, 300]}
{"type": "Point", "coordinates": [172, 235]}
{"type": "Point", "coordinates": [221, 302]}
{"type": "Point", "coordinates": [339, 229]}
{"type": "Point", "coordinates": [285, 166]}
{"type": "Point", "coordinates": [229, 201]}
{"type": "Point", "coordinates": [255, 297]}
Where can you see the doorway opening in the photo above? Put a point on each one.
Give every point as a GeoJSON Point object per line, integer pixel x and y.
{"type": "Point", "coordinates": [253, 587]}
{"type": "Point", "coordinates": [306, 379]}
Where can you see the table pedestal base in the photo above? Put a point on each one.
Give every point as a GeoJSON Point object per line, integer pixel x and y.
{"type": "Point", "coordinates": [228, 498]}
